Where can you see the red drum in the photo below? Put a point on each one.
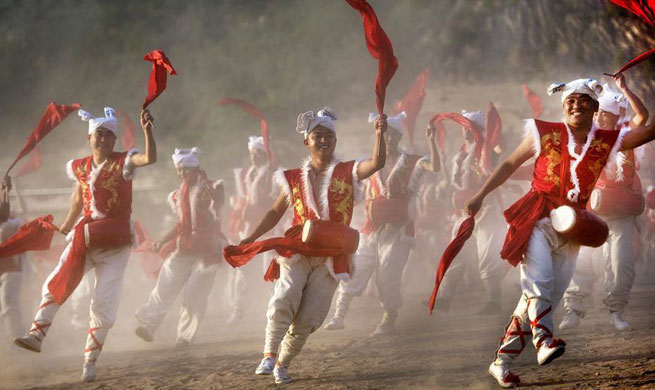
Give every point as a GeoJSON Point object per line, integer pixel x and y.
{"type": "Point", "coordinates": [461, 197]}
{"type": "Point", "coordinates": [108, 233]}
{"type": "Point", "coordinates": [616, 202]}
{"type": "Point", "coordinates": [328, 234]}
{"type": "Point", "coordinates": [388, 211]}
{"type": "Point", "coordinates": [579, 226]}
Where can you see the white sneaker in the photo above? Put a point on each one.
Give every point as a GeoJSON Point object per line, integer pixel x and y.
{"type": "Point", "coordinates": [266, 366]}
{"type": "Point", "coordinates": [571, 320]}
{"type": "Point", "coordinates": [145, 333]}
{"type": "Point", "coordinates": [88, 372]}
{"type": "Point", "coordinates": [336, 323]}
{"type": "Point", "coordinates": [30, 342]}
{"type": "Point", "coordinates": [550, 351]}
{"type": "Point", "coordinates": [384, 328]}
{"type": "Point", "coordinates": [281, 375]}
{"type": "Point", "coordinates": [503, 375]}
{"type": "Point", "coordinates": [619, 322]}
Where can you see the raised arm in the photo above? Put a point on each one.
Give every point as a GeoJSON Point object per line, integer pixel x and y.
{"type": "Point", "coordinates": [520, 155]}
{"type": "Point", "coordinates": [270, 219]}
{"type": "Point", "coordinates": [4, 199]}
{"type": "Point", "coordinates": [368, 167]}
{"type": "Point", "coordinates": [434, 165]}
{"type": "Point", "coordinates": [150, 155]}
{"type": "Point", "coordinates": [74, 211]}
{"type": "Point", "coordinates": [641, 113]}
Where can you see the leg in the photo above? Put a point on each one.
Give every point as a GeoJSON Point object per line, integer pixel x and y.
{"type": "Point", "coordinates": [79, 308]}
{"type": "Point", "coordinates": [194, 302]}
{"type": "Point", "coordinates": [621, 272]}
{"type": "Point", "coordinates": [492, 268]}
{"type": "Point", "coordinates": [10, 283]}
{"type": "Point", "coordinates": [238, 290]}
{"type": "Point", "coordinates": [582, 283]}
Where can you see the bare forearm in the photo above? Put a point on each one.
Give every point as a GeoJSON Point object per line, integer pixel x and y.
{"type": "Point", "coordinates": [368, 167]}
{"type": "Point", "coordinates": [434, 165]}
{"type": "Point", "coordinates": [4, 210]}
{"type": "Point", "coordinates": [497, 178]}
{"type": "Point", "coordinates": [268, 222]}
{"type": "Point", "coordinates": [73, 213]}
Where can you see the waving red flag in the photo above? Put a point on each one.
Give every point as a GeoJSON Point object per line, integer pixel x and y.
{"type": "Point", "coordinates": [637, 60]}
{"type": "Point", "coordinates": [493, 128]}
{"type": "Point", "coordinates": [157, 81]}
{"type": "Point", "coordinates": [128, 133]}
{"type": "Point", "coordinates": [642, 8]}
{"type": "Point", "coordinates": [412, 103]}
{"type": "Point", "coordinates": [35, 235]}
{"type": "Point", "coordinates": [534, 101]}
{"type": "Point", "coordinates": [465, 122]}
{"type": "Point", "coordinates": [254, 111]}
{"type": "Point", "coordinates": [379, 45]}
{"type": "Point", "coordinates": [32, 164]}
{"type": "Point", "coordinates": [54, 114]}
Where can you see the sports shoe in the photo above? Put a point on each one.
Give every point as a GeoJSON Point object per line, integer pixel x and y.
{"type": "Point", "coordinates": [266, 366]}
{"type": "Point", "coordinates": [88, 372]}
{"type": "Point", "coordinates": [619, 322]}
{"type": "Point", "coordinates": [281, 375]}
{"type": "Point", "coordinates": [336, 323]}
{"type": "Point", "coordinates": [550, 351]}
{"type": "Point", "coordinates": [503, 375]}
{"type": "Point", "coordinates": [571, 320]}
{"type": "Point", "coordinates": [145, 333]}
{"type": "Point", "coordinates": [30, 342]}
{"type": "Point", "coordinates": [384, 328]}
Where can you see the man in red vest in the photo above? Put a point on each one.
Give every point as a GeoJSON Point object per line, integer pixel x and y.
{"type": "Point", "coordinates": [616, 185]}
{"type": "Point", "coordinates": [388, 233]}
{"type": "Point", "coordinates": [323, 188]}
{"type": "Point", "coordinates": [569, 159]}
{"type": "Point", "coordinates": [99, 239]}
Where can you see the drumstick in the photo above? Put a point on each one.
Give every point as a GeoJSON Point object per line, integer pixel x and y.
{"type": "Point", "coordinates": [608, 74]}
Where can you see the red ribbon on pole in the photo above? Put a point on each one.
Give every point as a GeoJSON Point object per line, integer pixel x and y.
{"type": "Point", "coordinates": [412, 103]}
{"type": "Point", "coordinates": [635, 61]}
{"type": "Point", "coordinates": [32, 164]}
{"type": "Point", "coordinates": [379, 45]}
{"type": "Point", "coordinates": [462, 120]}
{"type": "Point", "coordinates": [254, 111]}
{"type": "Point", "coordinates": [127, 138]}
{"type": "Point", "coordinates": [641, 8]}
{"type": "Point", "coordinates": [54, 114]}
{"type": "Point", "coordinates": [157, 82]}
{"type": "Point", "coordinates": [534, 101]}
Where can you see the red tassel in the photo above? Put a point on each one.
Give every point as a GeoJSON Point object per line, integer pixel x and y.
{"type": "Point", "coordinates": [273, 272]}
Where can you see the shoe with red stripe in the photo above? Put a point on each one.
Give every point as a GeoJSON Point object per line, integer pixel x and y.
{"type": "Point", "coordinates": [549, 351]}
{"type": "Point", "coordinates": [88, 372]}
{"type": "Point", "coordinates": [30, 341]}
{"type": "Point", "coordinates": [503, 375]}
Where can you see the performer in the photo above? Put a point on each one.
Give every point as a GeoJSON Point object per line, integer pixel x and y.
{"type": "Point", "coordinates": [194, 261]}
{"type": "Point", "coordinates": [388, 233]}
{"type": "Point", "coordinates": [100, 239]}
{"type": "Point", "coordinates": [467, 178]}
{"type": "Point", "coordinates": [569, 158]}
{"type": "Point", "coordinates": [323, 188]}
{"type": "Point", "coordinates": [617, 184]}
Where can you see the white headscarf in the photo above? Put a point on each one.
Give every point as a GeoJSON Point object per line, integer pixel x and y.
{"type": "Point", "coordinates": [589, 87]}
{"type": "Point", "coordinates": [107, 122]}
{"type": "Point", "coordinates": [256, 142]}
{"type": "Point", "coordinates": [393, 122]}
{"type": "Point", "coordinates": [187, 158]}
{"type": "Point", "coordinates": [611, 100]}
{"type": "Point", "coordinates": [309, 120]}
{"type": "Point", "coordinates": [476, 117]}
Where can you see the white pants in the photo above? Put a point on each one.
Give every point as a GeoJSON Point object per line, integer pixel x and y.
{"type": "Point", "coordinates": [617, 265]}
{"type": "Point", "coordinates": [180, 271]}
{"type": "Point", "coordinates": [109, 265]}
{"type": "Point", "coordinates": [78, 301]}
{"type": "Point", "coordinates": [385, 252]}
{"type": "Point", "coordinates": [12, 320]}
{"type": "Point", "coordinates": [299, 305]}
{"type": "Point", "coordinates": [546, 271]}
{"type": "Point", "coordinates": [487, 242]}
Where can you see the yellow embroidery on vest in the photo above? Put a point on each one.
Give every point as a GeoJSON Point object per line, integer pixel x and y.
{"type": "Point", "coordinates": [111, 183]}
{"type": "Point", "coordinates": [297, 203]}
{"type": "Point", "coordinates": [345, 192]}
{"type": "Point", "coordinates": [553, 156]}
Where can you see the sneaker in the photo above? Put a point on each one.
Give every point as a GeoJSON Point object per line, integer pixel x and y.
{"type": "Point", "coordinates": [490, 308]}
{"type": "Point", "coordinates": [571, 320]}
{"type": "Point", "coordinates": [550, 351]}
{"type": "Point", "coordinates": [336, 323]}
{"type": "Point", "coordinates": [266, 366]}
{"type": "Point", "coordinates": [281, 375]}
{"type": "Point", "coordinates": [145, 333]}
{"type": "Point", "coordinates": [619, 322]}
{"type": "Point", "coordinates": [88, 372]}
{"type": "Point", "coordinates": [503, 375]}
{"type": "Point", "coordinates": [29, 342]}
{"type": "Point", "coordinates": [384, 328]}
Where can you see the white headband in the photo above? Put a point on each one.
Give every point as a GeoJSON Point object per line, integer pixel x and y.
{"type": "Point", "coordinates": [611, 100]}
{"type": "Point", "coordinates": [589, 87]}
{"type": "Point", "coordinates": [309, 120]}
{"type": "Point", "coordinates": [256, 142]}
{"type": "Point", "coordinates": [394, 122]}
{"type": "Point", "coordinates": [187, 158]}
{"type": "Point", "coordinates": [107, 122]}
{"type": "Point", "coordinates": [476, 117]}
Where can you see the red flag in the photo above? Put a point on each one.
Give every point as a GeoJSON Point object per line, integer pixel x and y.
{"type": "Point", "coordinates": [534, 101]}
{"type": "Point", "coordinates": [128, 132]}
{"type": "Point", "coordinates": [157, 81]}
{"type": "Point", "coordinates": [637, 60]}
{"type": "Point", "coordinates": [54, 114]}
{"type": "Point", "coordinates": [493, 128]}
{"type": "Point", "coordinates": [35, 235]}
{"type": "Point", "coordinates": [641, 8]}
{"type": "Point", "coordinates": [464, 121]}
{"type": "Point", "coordinates": [254, 111]}
{"type": "Point", "coordinates": [32, 164]}
{"type": "Point", "coordinates": [412, 103]}
{"type": "Point", "coordinates": [463, 233]}
{"type": "Point", "coordinates": [379, 45]}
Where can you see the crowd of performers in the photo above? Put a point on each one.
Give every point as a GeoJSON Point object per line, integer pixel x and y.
{"type": "Point", "coordinates": [412, 205]}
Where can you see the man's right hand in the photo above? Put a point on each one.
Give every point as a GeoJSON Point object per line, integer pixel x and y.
{"type": "Point", "coordinates": [474, 204]}
{"type": "Point", "coordinates": [246, 240]}
{"type": "Point", "coordinates": [6, 183]}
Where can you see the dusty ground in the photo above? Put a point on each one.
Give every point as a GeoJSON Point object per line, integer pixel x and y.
{"type": "Point", "coordinates": [440, 352]}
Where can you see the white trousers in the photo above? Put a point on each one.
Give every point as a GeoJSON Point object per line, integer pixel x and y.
{"type": "Point", "coordinates": [299, 305]}
{"type": "Point", "coordinates": [78, 301]}
{"type": "Point", "coordinates": [616, 265]}
{"type": "Point", "coordinates": [10, 313]}
{"type": "Point", "coordinates": [180, 271]}
{"type": "Point", "coordinates": [385, 252]}
{"type": "Point", "coordinates": [546, 271]}
{"type": "Point", "coordinates": [109, 265]}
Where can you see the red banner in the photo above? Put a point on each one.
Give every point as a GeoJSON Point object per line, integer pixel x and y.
{"type": "Point", "coordinates": [534, 101]}
{"type": "Point", "coordinates": [641, 8]}
{"type": "Point", "coordinates": [32, 164]}
{"type": "Point", "coordinates": [412, 102]}
{"type": "Point", "coordinates": [157, 82]}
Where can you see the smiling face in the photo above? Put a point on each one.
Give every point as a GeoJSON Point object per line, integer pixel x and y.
{"type": "Point", "coordinates": [102, 141]}
{"type": "Point", "coordinates": [579, 110]}
{"type": "Point", "coordinates": [606, 120]}
{"type": "Point", "coordinates": [321, 143]}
